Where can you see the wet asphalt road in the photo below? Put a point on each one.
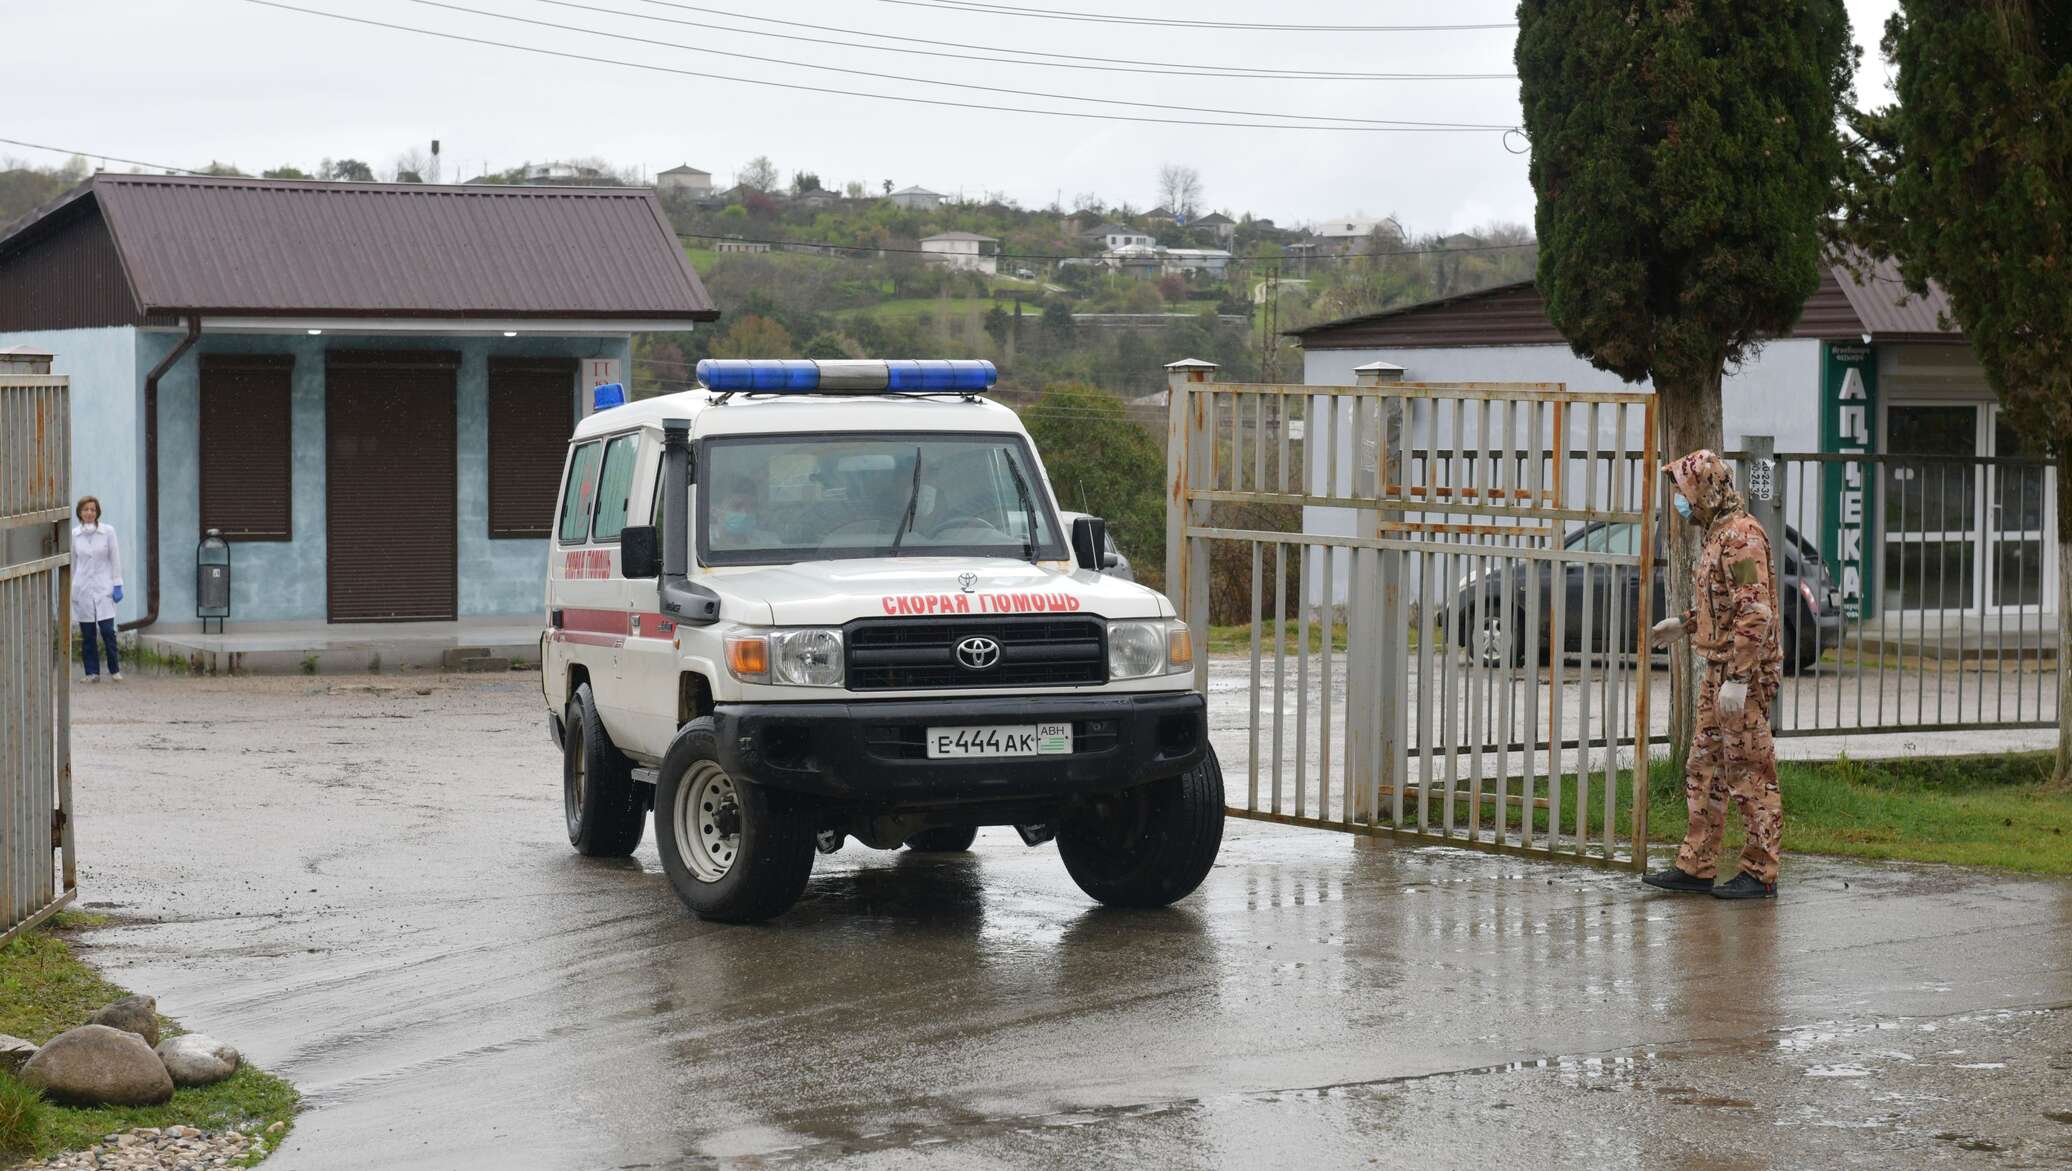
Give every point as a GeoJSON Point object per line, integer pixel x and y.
{"type": "Point", "coordinates": [368, 889]}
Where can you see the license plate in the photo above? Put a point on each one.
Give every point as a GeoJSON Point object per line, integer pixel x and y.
{"type": "Point", "coordinates": [1834, 600]}
{"type": "Point", "coordinates": [1000, 740]}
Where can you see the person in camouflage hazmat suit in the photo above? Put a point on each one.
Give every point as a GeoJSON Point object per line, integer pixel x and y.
{"type": "Point", "coordinates": [1734, 626]}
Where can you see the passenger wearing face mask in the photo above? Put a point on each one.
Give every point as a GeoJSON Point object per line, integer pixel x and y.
{"type": "Point", "coordinates": [1733, 627]}
{"type": "Point", "coordinates": [738, 523]}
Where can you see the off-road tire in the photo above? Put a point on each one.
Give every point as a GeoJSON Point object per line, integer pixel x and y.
{"type": "Point", "coordinates": [768, 869]}
{"type": "Point", "coordinates": [947, 839]}
{"type": "Point", "coordinates": [1151, 845]}
{"type": "Point", "coordinates": [605, 808]}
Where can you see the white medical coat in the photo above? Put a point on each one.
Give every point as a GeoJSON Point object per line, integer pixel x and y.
{"type": "Point", "coordinates": [96, 571]}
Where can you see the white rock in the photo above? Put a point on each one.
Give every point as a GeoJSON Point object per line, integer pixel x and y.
{"type": "Point", "coordinates": [14, 1053]}
{"type": "Point", "coordinates": [194, 1059]}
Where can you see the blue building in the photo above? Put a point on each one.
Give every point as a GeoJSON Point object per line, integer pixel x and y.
{"type": "Point", "coordinates": [367, 388]}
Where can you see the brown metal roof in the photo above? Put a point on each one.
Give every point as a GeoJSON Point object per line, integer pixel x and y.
{"type": "Point", "coordinates": [280, 247]}
{"type": "Point", "coordinates": [1516, 315]}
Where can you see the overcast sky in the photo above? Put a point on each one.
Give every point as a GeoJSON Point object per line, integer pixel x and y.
{"type": "Point", "coordinates": [182, 82]}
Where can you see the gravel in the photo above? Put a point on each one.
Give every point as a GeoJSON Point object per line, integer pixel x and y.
{"type": "Point", "coordinates": [171, 1148]}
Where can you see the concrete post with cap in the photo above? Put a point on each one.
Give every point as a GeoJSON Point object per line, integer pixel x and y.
{"type": "Point", "coordinates": [1376, 628]}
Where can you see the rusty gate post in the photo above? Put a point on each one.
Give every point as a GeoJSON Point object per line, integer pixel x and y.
{"type": "Point", "coordinates": [1374, 644]}
{"type": "Point", "coordinates": [1190, 459]}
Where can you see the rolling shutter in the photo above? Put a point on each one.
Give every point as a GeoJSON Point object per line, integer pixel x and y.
{"type": "Point", "coordinates": [390, 430]}
{"type": "Point", "coordinates": [531, 416]}
{"type": "Point", "coordinates": [247, 446]}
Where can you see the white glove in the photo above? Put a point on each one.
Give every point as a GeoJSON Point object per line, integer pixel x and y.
{"type": "Point", "coordinates": [1666, 631]}
{"type": "Point", "coordinates": [1733, 696]}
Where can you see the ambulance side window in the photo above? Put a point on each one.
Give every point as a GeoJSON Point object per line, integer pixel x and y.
{"type": "Point", "coordinates": [579, 494]}
{"type": "Point", "coordinates": [615, 485]}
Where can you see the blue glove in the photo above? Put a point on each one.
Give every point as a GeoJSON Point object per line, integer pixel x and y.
{"type": "Point", "coordinates": [118, 593]}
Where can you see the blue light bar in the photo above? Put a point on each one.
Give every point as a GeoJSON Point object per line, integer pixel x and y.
{"type": "Point", "coordinates": [794, 375]}
{"type": "Point", "coordinates": [606, 395]}
{"type": "Point", "coordinates": [938, 374]}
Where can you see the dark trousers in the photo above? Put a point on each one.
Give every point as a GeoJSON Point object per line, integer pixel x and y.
{"type": "Point", "coordinates": [105, 628]}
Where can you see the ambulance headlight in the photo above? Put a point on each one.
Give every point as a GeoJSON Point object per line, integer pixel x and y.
{"type": "Point", "coordinates": [806, 658]}
{"type": "Point", "coordinates": [1136, 649]}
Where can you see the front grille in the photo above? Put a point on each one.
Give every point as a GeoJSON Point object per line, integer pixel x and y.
{"type": "Point", "coordinates": [914, 654]}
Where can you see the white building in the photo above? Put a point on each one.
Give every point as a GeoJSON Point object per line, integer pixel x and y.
{"type": "Point", "coordinates": [916, 198]}
{"type": "Point", "coordinates": [1867, 369]}
{"type": "Point", "coordinates": [964, 250]}
{"type": "Point", "coordinates": [1188, 261]}
{"type": "Point", "coordinates": [1115, 237]}
{"type": "Point", "coordinates": [684, 180]}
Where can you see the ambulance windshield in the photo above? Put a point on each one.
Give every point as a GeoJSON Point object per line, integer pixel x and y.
{"type": "Point", "coordinates": [783, 498]}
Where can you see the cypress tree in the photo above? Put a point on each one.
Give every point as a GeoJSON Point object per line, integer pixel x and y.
{"type": "Point", "coordinates": [1968, 181]}
{"type": "Point", "coordinates": [1684, 156]}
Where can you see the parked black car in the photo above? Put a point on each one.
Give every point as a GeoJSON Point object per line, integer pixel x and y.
{"type": "Point", "coordinates": [1493, 607]}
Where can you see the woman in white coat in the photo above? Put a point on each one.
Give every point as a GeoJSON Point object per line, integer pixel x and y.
{"type": "Point", "coordinates": [96, 587]}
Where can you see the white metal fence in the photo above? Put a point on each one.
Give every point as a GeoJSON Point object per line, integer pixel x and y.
{"type": "Point", "coordinates": [1426, 657]}
{"type": "Point", "coordinates": [37, 871]}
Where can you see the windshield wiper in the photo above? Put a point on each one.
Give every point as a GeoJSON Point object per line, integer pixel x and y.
{"type": "Point", "coordinates": [1021, 491]}
{"type": "Point", "coordinates": [906, 519]}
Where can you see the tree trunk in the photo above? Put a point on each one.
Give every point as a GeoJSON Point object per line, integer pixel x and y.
{"type": "Point", "coordinates": [2061, 777]}
{"type": "Point", "coordinates": [1690, 412]}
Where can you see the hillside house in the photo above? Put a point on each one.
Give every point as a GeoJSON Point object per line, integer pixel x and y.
{"type": "Point", "coordinates": [966, 251]}
{"type": "Point", "coordinates": [1222, 225]}
{"type": "Point", "coordinates": [685, 180]}
{"type": "Point", "coordinates": [367, 388]}
{"type": "Point", "coordinates": [1113, 237]}
{"type": "Point", "coordinates": [916, 199]}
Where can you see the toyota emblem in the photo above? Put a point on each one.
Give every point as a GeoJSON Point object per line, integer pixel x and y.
{"type": "Point", "coordinates": [978, 652]}
{"type": "Point", "coordinates": [966, 581]}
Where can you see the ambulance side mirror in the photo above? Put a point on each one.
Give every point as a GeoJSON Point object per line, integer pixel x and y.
{"type": "Point", "coordinates": [1090, 542]}
{"type": "Point", "coordinates": [640, 555]}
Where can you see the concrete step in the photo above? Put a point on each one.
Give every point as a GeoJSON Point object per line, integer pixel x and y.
{"type": "Point", "coordinates": [475, 660]}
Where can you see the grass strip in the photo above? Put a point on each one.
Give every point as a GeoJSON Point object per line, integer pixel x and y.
{"type": "Point", "coordinates": [45, 989]}
{"type": "Point", "coordinates": [1996, 811]}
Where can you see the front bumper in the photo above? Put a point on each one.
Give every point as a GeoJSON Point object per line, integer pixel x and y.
{"type": "Point", "coordinates": [877, 751]}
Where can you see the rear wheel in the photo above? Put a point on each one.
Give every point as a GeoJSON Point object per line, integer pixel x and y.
{"type": "Point", "coordinates": [1149, 846]}
{"type": "Point", "coordinates": [734, 850]}
{"type": "Point", "coordinates": [948, 839]}
{"type": "Point", "coordinates": [605, 809]}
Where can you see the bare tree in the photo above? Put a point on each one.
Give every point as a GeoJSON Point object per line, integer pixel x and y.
{"type": "Point", "coordinates": [853, 189]}
{"type": "Point", "coordinates": [760, 174]}
{"type": "Point", "coordinates": [1179, 189]}
{"type": "Point", "coordinates": [413, 166]}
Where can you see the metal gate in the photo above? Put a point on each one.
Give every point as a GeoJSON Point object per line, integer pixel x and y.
{"type": "Point", "coordinates": [1437, 587]}
{"type": "Point", "coordinates": [35, 651]}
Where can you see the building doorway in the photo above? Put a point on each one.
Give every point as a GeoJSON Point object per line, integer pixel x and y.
{"type": "Point", "coordinates": [1969, 534]}
{"type": "Point", "coordinates": [389, 486]}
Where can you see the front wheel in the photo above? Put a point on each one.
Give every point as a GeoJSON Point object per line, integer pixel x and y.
{"type": "Point", "coordinates": [734, 851]}
{"type": "Point", "coordinates": [1497, 638]}
{"type": "Point", "coordinates": [1151, 845]}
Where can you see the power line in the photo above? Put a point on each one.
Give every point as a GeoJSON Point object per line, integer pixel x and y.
{"type": "Point", "coordinates": [1058, 60]}
{"type": "Point", "coordinates": [1390, 123]}
{"type": "Point", "coordinates": [974, 6]}
{"type": "Point", "coordinates": [1086, 115]}
{"type": "Point", "coordinates": [92, 155]}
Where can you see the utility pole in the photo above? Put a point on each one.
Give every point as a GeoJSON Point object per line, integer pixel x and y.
{"type": "Point", "coordinates": [1270, 325]}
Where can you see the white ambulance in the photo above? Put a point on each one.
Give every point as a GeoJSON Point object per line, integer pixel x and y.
{"type": "Point", "coordinates": [812, 601]}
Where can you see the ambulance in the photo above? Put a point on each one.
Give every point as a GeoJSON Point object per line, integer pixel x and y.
{"type": "Point", "coordinates": [808, 601]}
